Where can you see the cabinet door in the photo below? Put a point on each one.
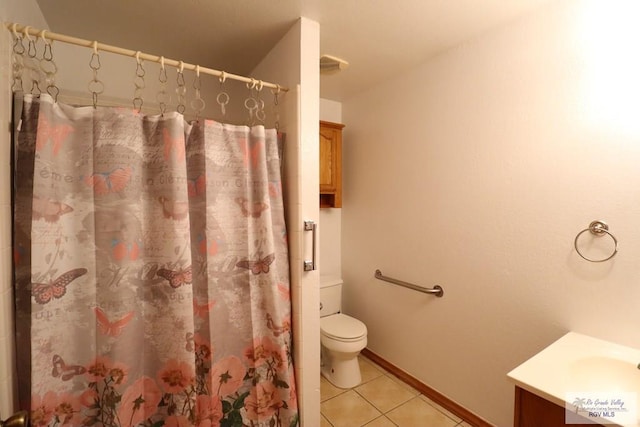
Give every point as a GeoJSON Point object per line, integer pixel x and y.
{"type": "Point", "coordinates": [330, 164]}
{"type": "Point", "coordinates": [328, 158]}
{"type": "Point", "coordinates": [534, 411]}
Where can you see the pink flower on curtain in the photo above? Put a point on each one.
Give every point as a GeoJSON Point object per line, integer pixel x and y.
{"type": "Point", "coordinates": [89, 397]}
{"type": "Point", "coordinates": [263, 401]}
{"type": "Point", "coordinates": [98, 369]}
{"type": "Point", "coordinates": [176, 376]}
{"type": "Point", "coordinates": [227, 376]}
{"type": "Point", "coordinates": [68, 410]}
{"type": "Point", "coordinates": [202, 347]}
{"type": "Point", "coordinates": [177, 421]}
{"type": "Point", "coordinates": [293, 398]}
{"type": "Point", "coordinates": [118, 373]}
{"type": "Point", "coordinates": [125, 202]}
{"type": "Point", "coordinates": [139, 401]}
{"type": "Point", "coordinates": [265, 351]}
{"type": "Point", "coordinates": [43, 408]}
{"type": "Point", "coordinates": [208, 411]}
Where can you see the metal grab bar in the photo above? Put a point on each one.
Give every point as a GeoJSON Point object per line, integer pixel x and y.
{"type": "Point", "coordinates": [436, 290]}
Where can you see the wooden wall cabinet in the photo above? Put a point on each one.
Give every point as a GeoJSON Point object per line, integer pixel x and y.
{"type": "Point", "coordinates": [330, 165]}
{"type": "Point", "coordinates": [534, 411]}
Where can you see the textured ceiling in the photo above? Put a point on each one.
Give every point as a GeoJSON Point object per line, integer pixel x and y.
{"type": "Point", "coordinates": [377, 37]}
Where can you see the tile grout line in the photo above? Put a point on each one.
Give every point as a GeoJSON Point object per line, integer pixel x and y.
{"type": "Point", "coordinates": [401, 383]}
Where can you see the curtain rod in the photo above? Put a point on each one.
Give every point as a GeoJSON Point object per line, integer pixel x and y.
{"type": "Point", "coordinates": [44, 34]}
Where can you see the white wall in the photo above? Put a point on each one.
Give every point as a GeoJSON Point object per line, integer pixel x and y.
{"type": "Point", "coordinates": [330, 218]}
{"type": "Point", "coordinates": [476, 171]}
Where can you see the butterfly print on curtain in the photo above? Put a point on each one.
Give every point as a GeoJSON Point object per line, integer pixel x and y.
{"type": "Point", "coordinates": [176, 278]}
{"type": "Point", "coordinates": [202, 310]}
{"type": "Point", "coordinates": [261, 265]}
{"type": "Point", "coordinates": [56, 134]}
{"type": "Point", "coordinates": [48, 209]}
{"type": "Point", "coordinates": [45, 292]}
{"type": "Point", "coordinates": [64, 371]}
{"type": "Point", "coordinates": [251, 209]}
{"type": "Point", "coordinates": [107, 327]}
{"type": "Point", "coordinates": [158, 327]}
{"type": "Point", "coordinates": [114, 181]}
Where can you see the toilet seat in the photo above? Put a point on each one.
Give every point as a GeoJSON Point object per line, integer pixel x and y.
{"type": "Point", "coordinates": [344, 328]}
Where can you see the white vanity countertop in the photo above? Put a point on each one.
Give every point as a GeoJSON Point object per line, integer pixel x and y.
{"type": "Point", "coordinates": [579, 363]}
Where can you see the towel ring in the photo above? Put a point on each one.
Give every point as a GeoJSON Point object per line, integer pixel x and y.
{"type": "Point", "coordinates": [599, 229]}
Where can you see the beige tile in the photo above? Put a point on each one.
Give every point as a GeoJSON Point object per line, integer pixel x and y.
{"type": "Point", "coordinates": [404, 385]}
{"type": "Point", "coordinates": [324, 422]}
{"type": "Point", "coordinates": [464, 424]}
{"type": "Point", "coordinates": [381, 422]}
{"type": "Point", "coordinates": [328, 390]}
{"type": "Point", "coordinates": [417, 412]}
{"type": "Point", "coordinates": [368, 369]}
{"type": "Point", "coordinates": [349, 410]}
{"type": "Point", "coordinates": [384, 393]}
{"type": "Point", "coordinates": [441, 409]}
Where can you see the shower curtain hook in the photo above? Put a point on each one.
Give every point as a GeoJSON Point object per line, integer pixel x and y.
{"type": "Point", "coordinates": [163, 71]}
{"type": "Point", "coordinates": [198, 103]}
{"type": "Point", "coordinates": [95, 86]}
{"type": "Point", "coordinates": [162, 96]}
{"type": "Point", "coordinates": [25, 31]}
{"type": "Point", "coordinates": [223, 97]}
{"type": "Point", "coordinates": [49, 67]}
{"type": "Point", "coordinates": [17, 59]}
{"type": "Point", "coordinates": [139, 84]}
{"type": "Point", "coordinates": [181, 90]}
{"type": "Point", "coordinates": [32, 51]}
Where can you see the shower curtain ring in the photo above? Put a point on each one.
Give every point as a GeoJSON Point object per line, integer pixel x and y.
{"type": "Point", "coordinates": [223, 77]}
{"type": "Point", "coordinates": [13, 30]}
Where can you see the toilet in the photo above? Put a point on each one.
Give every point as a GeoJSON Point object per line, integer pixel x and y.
{"type": "Point", "coordinates": [341, 337]}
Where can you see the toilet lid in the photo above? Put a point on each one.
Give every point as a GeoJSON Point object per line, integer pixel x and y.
{"type": "Point", "coordinates": [342, 327]}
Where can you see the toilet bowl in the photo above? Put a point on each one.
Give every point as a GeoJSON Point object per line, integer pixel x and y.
{"type": "Point", "coordinates": [342, 337]}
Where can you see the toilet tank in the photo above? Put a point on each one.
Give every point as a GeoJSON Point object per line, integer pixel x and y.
{"type": "Point", "coordinates": [330, 295]}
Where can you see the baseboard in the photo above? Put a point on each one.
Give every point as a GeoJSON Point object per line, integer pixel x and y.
{"type": "Point", "coordinates": [432, 394]}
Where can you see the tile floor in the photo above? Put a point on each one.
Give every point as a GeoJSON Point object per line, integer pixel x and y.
{"type": "Point", "coordinates": [381, 400]}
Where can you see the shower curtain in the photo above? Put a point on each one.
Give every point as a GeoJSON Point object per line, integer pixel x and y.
{"type": "Point", "coordinates": [151, 270]}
